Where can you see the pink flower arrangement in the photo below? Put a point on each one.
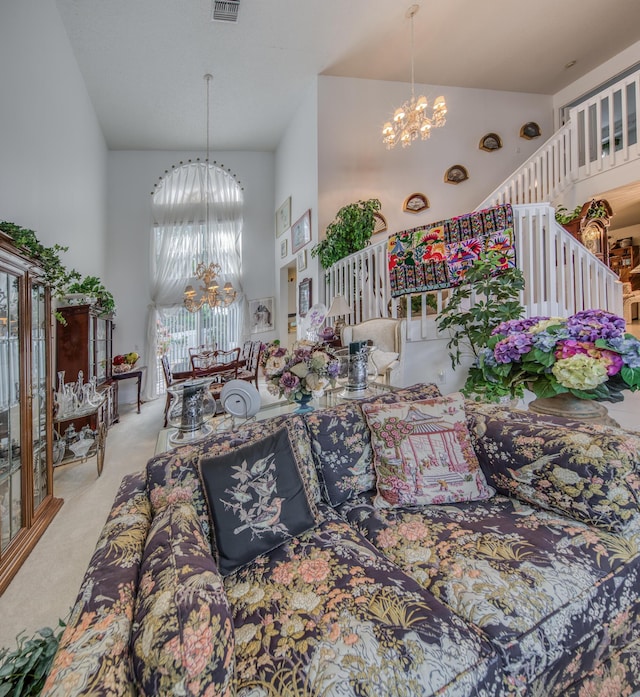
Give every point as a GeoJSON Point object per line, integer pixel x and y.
{"type": "Point", "coordinates": [589, 355]}
{"type": "Point", "coordinates": [307, 370]}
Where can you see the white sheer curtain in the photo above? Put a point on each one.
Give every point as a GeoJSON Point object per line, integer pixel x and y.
{"type": "Point", "coordinates": [197, 212]}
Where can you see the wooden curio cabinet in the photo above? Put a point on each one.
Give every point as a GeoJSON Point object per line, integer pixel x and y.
{"type": "Point", "coordinates": [622, 260]}
{"type": "Point", "coordinates": [27, 504]}
{"type": "Point", "coordinates": [85, 343]}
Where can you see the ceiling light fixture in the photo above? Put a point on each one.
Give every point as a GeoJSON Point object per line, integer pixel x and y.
{"type": "Point", "coordinates": [412, 120]}
{"type": "Point", "coordinates": [210, 292]}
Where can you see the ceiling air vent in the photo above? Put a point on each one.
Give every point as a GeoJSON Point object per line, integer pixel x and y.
{"type": "Point", "coordinates": [225, 10]}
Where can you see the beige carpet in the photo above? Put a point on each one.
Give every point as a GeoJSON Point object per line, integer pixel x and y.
{"type": "Point", "coordinates": [46, 586]}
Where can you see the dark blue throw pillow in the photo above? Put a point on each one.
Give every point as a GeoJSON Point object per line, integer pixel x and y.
{"type": "Point", "coordinates": [257, 499]}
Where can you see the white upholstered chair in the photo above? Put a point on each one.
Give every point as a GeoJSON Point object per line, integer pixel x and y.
{"type": "Point", "coordinates": [388, 337]}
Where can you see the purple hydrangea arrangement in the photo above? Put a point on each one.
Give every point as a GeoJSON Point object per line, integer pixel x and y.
{"type": "Point", "coordinates": [306, 369]}
{"type": "Point", "coordinates": [589, 355]}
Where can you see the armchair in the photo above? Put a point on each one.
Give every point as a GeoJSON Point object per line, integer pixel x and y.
{"type": "Point", "coordinates": [388, 337]}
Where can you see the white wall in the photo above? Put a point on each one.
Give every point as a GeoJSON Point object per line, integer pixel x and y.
{"type": "Point", "coordinates": [354, 164]}
{"type": "Point", "coordinates": [296, 175]}
{"type": "Point", "coordinates": [53, 154]}
{"type": "Point", "coordinates": [132, 175]}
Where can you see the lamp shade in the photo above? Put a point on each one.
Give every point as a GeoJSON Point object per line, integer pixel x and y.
{"type": "Point", "coordinates": [634, 270]}
{"type": "Point", "coordinates": [339, 306]}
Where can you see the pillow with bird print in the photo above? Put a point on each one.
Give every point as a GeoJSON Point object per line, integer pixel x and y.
{"type": "Point", "coordinates": [257, 499]}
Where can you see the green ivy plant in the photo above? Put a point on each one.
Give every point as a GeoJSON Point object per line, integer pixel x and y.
{"type": "Point", "coordinates": [24, 670]}
{"type": "Point", "coordinates": [348, 233]}
{"type": "Point", "coordinates": [470, 325]}
{"type": "Point", "coordinates": [563, 216]}
{"type": "Point", "coordinates": [56, 274]}
{"type": "Point", "coordinates": [93, 286]}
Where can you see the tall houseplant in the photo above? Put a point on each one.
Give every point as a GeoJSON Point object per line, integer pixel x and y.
{"type": "Point", "coordinates": [348, 233]}
{"type": "Point", "coordinates": [470, 324]}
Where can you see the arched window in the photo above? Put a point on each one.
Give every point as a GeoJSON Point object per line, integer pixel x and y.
{"type": "Point", "coordinates": [197, 213]}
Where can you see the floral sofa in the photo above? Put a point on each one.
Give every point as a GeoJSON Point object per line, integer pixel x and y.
{"type": "Point", "coordinates": [521, 577]}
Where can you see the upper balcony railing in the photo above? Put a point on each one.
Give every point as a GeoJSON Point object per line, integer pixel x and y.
{"type": "Point", "coordinates": [601, 134]}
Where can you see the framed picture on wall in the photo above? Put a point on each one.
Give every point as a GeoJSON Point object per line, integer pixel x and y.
{"type": "Point", "coordinates": [304, 296]}
{"type": "Point", "coordinates": [283, 217]}
{"type": "Point", "coordinates": [301, 232]}
{"type": "Point", "coordinates": [283, 249]}
{"type": "Point", "coordinates": [302, 260]}
{"type": "Point", "coordinates": [261, 315]}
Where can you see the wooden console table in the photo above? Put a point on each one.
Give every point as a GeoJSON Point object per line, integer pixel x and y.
{"type": "Point", "coordinates": [130, 374]}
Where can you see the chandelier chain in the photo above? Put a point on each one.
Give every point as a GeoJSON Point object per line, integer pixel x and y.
{"type": "Point", "coordinates": [413, 119]}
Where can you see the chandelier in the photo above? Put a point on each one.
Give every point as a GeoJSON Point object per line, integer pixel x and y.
{"type": "Point", "coordinates": [210, 292]}
{"type": "Point", "coordinates": [412, 119]}
{"type": "Point", "coordinates": [210, 289]}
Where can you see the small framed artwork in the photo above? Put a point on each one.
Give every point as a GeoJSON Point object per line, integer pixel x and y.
{"type": "Point", "coordinates": [415, 203]}
{"type": "Point", "coordinates": [530, 130]}
{"type": "Point", "coordinates": [302, 260]}
{"type": "Point", "coordinates": [301, 232]}
{"type": "Point", "coordinates": [304, 296]}
{"type": "Point", "coordinates": [283, 217]}
{"type": "Point", "coordinates": [379, 223]}
{"type": "Point", "coordinates": [456, 174]}
{"type": "Point", "coordinates": [261, 315]}
{"type": "Point", "coordinates": [283, 249]}
{"type": "Point", "coordinates": [490, 142]}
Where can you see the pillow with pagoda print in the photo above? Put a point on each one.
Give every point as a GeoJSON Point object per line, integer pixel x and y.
{"type": "Point", "coordinates": [422, 453]}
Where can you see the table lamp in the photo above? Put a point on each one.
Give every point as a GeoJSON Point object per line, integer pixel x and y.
{"type": "Point", "coordinates": [339, 308]}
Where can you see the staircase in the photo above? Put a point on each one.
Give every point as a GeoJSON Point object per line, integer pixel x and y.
{"type": "Point", "coordinates": [561, 275]}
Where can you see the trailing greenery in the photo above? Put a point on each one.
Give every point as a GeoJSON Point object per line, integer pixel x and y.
{"type": "Point", "coordinates": [92, 286]}
{"type": "Point", "coordinates": [348, 233]}
{"type": "Point", "coordinates": [24, 670]}
{"type": "Point", "coordinates": [597, 209]}
{"type": "Point", "coordinates": [55, 273]}
{"type": "Point", "coordinates": [470, 325]}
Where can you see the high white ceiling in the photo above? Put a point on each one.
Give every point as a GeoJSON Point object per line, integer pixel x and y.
{"type": "Point", "coordinates": [143, 61]}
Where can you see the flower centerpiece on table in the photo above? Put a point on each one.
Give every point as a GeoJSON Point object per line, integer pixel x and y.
{"type": "Point", "coordinates": [588, 355]}
{"type": "Point", "coordinates": [304, 371]}
{"type": "Point", "coordinates": [271, 350]}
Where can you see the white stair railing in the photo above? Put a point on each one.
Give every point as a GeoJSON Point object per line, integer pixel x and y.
{"type": "Point", "coordinates": [561, 278]}
{"type": "Point", "coordinates": [601, 134]}
{"type": "Point", "coordinates": [561, 275]}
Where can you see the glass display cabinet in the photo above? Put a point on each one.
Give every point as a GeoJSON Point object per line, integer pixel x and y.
{"type": "Point", "coordinates": [27, 505]}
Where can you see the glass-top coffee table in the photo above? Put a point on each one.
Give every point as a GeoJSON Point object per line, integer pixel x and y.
{"type": "Point", "coordinates": [224, 422]}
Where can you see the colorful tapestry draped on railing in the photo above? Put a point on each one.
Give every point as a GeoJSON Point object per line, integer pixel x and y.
{"type": "Point", "coordinates": [436, 256]}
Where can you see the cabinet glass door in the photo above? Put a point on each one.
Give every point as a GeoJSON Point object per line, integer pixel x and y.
{"type": "Point", "coordinates": [10, 438]}
{"type": "Point", "coordinates": [39, 392]}
{"type": "Point", "coordinates": [101, 349]}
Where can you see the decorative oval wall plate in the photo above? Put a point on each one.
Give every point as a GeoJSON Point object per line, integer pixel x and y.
{"type": "Point", "coordinates": [380, 223]}
{"type": "Point", "coordinates": [456, 174]}
{"type": "Point", "coordinates": [490, 142]}
{"type": "Point", "coordinates": [415, 203]}
{"type": "Point", "coordinates": [530, 130]}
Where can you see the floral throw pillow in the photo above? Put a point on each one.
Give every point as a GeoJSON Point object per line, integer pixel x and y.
{"type": "Point", "coordinates": [341, 443]}
{"type": "Point", "coordinates": [422, 453]}
{"type": "Point", "coordinates": [257, 499]}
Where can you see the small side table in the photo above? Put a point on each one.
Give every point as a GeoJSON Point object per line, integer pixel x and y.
{"type": "Point", "coordinates": [130, 374]}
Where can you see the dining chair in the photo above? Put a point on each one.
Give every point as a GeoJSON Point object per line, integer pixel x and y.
{"type": "Point", "coordinates": [171, 378]}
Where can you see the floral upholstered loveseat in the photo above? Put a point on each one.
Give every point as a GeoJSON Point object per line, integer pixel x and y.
{"type": "Point", "coordinates": [522, 577]}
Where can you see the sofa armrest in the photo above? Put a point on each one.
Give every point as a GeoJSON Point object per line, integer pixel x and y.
{"type": "Point", "coordinates": [587, 472]}
{"type": "Point", "coordinates": [94, 648]}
